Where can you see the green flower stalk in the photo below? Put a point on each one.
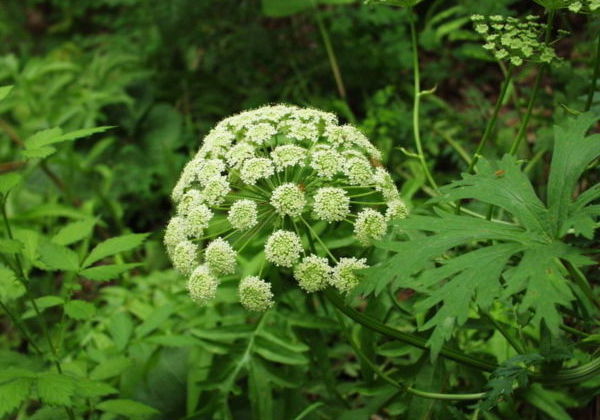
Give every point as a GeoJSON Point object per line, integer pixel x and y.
{"type": "Point", "coordinates": [274, 177]}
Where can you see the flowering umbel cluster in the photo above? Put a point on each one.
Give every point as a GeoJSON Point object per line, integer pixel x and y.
{"type": "Point", "coordinates": [514, 40]}
{"type": "Point", "coordinates": [287, 176]}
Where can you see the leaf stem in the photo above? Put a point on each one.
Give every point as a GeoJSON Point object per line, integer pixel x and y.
{"type": "Point", "coordinates": [417, 103]}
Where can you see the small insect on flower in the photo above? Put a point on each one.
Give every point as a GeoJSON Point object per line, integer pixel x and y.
{"type": "Point", "coordinates": [281, 179]}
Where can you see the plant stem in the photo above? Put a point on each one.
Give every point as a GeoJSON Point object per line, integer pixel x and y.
{"type": "Point", "coordinates": [492, 122]}
{"type": "Point", "coordinates": [514, 343]}
{"type": "Point", "coordinates": [39, 317]}
{"type": "Point", "coordinates": [333, 63]}
{"type": "Point", "coordinates": [411, 390]}
{"type": "Point", "coordinates": [411, 339]}
{"type": "Point", "coordinates": [590, 97]}
{"type": "Point", "coordinates": [20, 327]}
{"type": "Point", "coordinates": [417, 103]}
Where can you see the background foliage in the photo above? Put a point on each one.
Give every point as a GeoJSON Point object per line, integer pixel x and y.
{"type": "Point", "coordinates": [110, 98]}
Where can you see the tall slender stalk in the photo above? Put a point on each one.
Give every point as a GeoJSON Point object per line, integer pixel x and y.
{"type": "Point", "coordinates": [536, 87]}
{"type": "Point", "coordinates": [492, 121]}
{"type": "Point", "coordinates": [417, 103]}
{"type": "Point", "coordinates": [590, 97]}
{"type": "Point", "coordinates": [23, 279]}
{"type": "Point", "coordinates": [333, 62]}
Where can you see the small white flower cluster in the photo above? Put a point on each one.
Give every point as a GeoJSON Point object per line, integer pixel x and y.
{"type": "Point", "coordinates": [278, 176]}
{"type": "Point", "coordinates": [514, 40]}
{"type": "Point", "coordinates": [581, 6]}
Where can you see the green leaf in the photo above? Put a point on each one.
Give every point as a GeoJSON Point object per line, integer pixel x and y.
{"type": "Point", "coordinates": [275, 353]}
{"type": "Point", "coordinates": [110, 368]}
{"type": "Point", "coordinates": [114, 246]}
{"type": "Point", "coordinates": [4, 91]}
{"type": "Point", "coordinates": [552, 403]}
{"type": "Point", "coordinates": [10, 287]}
{"type": "Point", "coordinates": [38, 145]}
{"type": "Point", "coordinates": [107, 272]}
{"type": "Point", "coordinates": [79, 309]}
{"type": "Point", "coordinates": [128, 408]}
{"type": "Point", "coordinates": [174, 340]}
{"type": "Point", "coordinates": [261, 399]}
{"type": "Point", "coordinates": [573, 152]}
{"type": "Point", "coordinates": [10, 246]}
{"type": "Point", "coordinates": [55, 389]}
{"type": "Point", "coordinates": [15, 386]}
{"type": "Point", "coordinates": [74, 232]}
{"type": "Point", "coordinates": [120, 328]}
{"type": "Point", "coordinates": [92, 389]}
{"type": "Point", "coordinates": [156, 318]}
{"type": "Point", "coordinates": [57, 257]}
{"type": "Point", "coordinates": [9, 181]}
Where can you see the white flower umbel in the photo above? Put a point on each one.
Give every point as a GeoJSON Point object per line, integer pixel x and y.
{"type": "Point", "coordinates": [331, 204]}
{"type": "Point", "coordinates": [185, 257]}
{"type": "Point", "coordinates": [326, 162]}
{"type": "Point", "coordinates": [369, 225]}
{"type": "Point", "coordinates": [202, 285]}
{"type": "Point", "coordinates": [283, 248]}
{"type": "Point", "coordinates": [396, 209]}
{"type": "Point", "coordinates": [288, 200]}
{"type": "Point", "coordinates": [255, 294]}
{"type": "Point", "coordinates": [198, 219]}
{"type": "Point", "coordinates": [287, 155]}
{"type": "Point", "coordinates": [359, 171]}
{"type": "Point", "coordinates": [254, 169]}
{"type": "Point", "coordinates": [243, 214]}
{"type": "Point", "coordinates": [215, 190]}
{"type": "Point", "coordinates": [220, 257]}
{"type": "Point", "coordinates": [313, 273]}
{"type": "Point", "coordinates": [345, 277]}
{"type": "Point", "coordinates": [278, 178]}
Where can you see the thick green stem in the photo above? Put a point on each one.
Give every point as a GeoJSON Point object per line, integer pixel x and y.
{"type": "Point", "coordinates": [417, 103]}
{"type": "Point", "coordinates": [590, 97]}
{"type": "Point", "coordinates": [512, 340]}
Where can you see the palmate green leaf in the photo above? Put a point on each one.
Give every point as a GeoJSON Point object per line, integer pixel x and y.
{"type": "Point", "coordinates": [520, 262]}
{"type": "Point", "coordinates": [114, 246]}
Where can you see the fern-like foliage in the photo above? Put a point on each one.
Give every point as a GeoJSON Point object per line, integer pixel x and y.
{"type": "Point", "coordinates": [459, 260]}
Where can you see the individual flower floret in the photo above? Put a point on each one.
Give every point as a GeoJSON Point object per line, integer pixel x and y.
{"type": "Point", "coordinates": [326, 162]}
{"type": "Point", "coordinates": [220, 257]}
{"type": "Point", "coordinates": [331, 204]}
{"type": "Point", "coordinates": [239, 153]}
{"type": "Point", "coordinates": [396, 209]}
{"type": "Point", "coordinates": [255, 294]}
{"type": "Point", "coordinates": [198, 219]}
{"type": "Point", "coordinates": [369, 225]}
{"type": "Point", "coordinates": [202, 285]}
{"type": "Point", "coordinates": [256, 168]}
{"type": "Point", "coordinates": [185, 257]}
{"type": "Point", "coordinates": [337, 135]}
{"type": "Point", "coordinates": [344, 273]}
{"type": "Point", "coordinates": [243, 214]}
{"type": "Point", "coordinates": [287, 155]}
{"type": "Point", "coordinates": [313, 273]}
{"type": "Point", "coordinates": [358, 170]}
{"type": "Point", "coordinates": [215, 190]}
{"type": "Point", "coordinates": [283, 248]}
{"type": "Point", "coordinates": [260, 133]}
{"type": "Point", "coordinates": [176, 232]}
{"type": "Point", "coordinates": [288, 200]}
{"type": "Point", "coordinates": [217, 141]}
{"type": "Point", "coordinates": [189, 200]}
